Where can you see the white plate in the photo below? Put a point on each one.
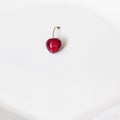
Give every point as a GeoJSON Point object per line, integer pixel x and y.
{"type": "Point", "coordinates": [82, 77]}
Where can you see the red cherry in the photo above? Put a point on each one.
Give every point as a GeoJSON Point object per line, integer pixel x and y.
{"type": "Point", "coordinates": [53, 45]}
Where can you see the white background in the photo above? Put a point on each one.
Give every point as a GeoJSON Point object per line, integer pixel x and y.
{"type": "Point", "coordinates": [83, 77]}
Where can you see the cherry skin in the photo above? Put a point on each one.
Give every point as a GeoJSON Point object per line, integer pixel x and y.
{"type": "Point", "coordinates": [53, 45]}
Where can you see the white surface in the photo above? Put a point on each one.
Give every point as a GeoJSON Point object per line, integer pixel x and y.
{"type": "Point", "coordinates": [82, 77]}
{"type": "Point", "coordinates": [111, 114]}
{"type": "Point", "coordinates": [6, 113]}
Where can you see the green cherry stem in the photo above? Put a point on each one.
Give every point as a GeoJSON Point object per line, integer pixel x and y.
{"type": "Point", "coordinates": [56, 27]}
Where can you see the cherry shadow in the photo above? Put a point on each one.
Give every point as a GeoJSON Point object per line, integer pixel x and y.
{"type": "Point", "coordinates": [64, 43]}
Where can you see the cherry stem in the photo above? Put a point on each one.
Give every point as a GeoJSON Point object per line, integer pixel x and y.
{"type": "Point", "coordinates": [56, 27]}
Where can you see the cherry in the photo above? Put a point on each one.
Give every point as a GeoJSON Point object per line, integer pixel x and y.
{"type": "Point", "coordinates": [54, 44]}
